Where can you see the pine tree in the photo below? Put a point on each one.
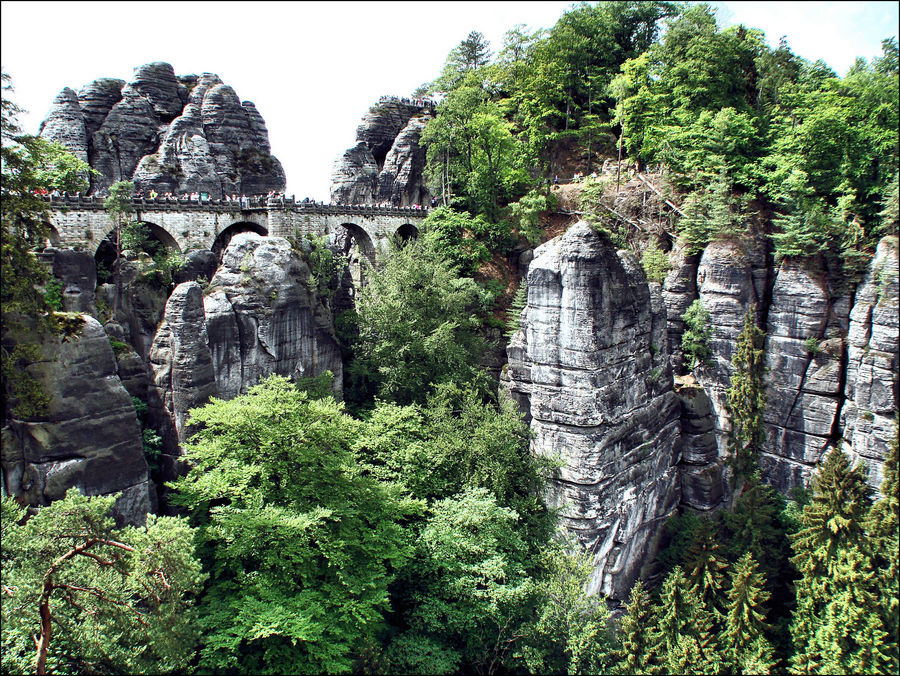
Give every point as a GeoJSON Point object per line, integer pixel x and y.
{"type": "Point", "coordinates": [746, 399]}
{"type": "Point", "coordinates": [743, 637]}
{"type": "Point", "coordinates": [684, 635]}
{"type": "Point", "coordinates": [838, 626]}
{"type": "Point", "coordinates": [706, 565]}
{"type": "Point", "coordinates": [636, 654]}
{"type": "Point", "coordinates": [883, 529]}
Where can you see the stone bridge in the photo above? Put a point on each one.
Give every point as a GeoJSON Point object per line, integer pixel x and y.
{"type": "Point", "coordinates": [183, 224]}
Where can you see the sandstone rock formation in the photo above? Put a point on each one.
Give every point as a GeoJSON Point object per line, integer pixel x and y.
{"type": "Point", "coordinates": [262, 317]}
{"type": "Point", "coordinates": [180, 361]}
{"type": "Point", "coordinates": [77, 273]}
{"type": "Point", "coordinates": [89, 438]}
{"type": "Point", "coordinates": [868, 417]}
{"type": "Point", "coordinates": [804, 346]}
{"type": "Point", "coordinates": [387, 161]}
{"type": "Point", "coordinates": [592, 366]}
{"type": "Point", "coordinates": [172, 134]}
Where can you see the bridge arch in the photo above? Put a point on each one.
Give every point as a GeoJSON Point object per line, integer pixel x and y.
{"type": "Point", "coordinates": [406, 232]}
{"type": "Point", "coordinates": [224, 237]}
{"type": "Point", "coordinates": [158, 235]}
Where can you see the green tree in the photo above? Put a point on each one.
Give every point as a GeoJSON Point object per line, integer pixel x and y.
{"type": "Point", "coordinates": [838, 626]}
{"type": "Point", "coordinates": [685, 638]}
{"type": "Point", "coordinates": [705, 564]}
{"type": "Point", "coordinates": [301, 545]}
{"type": "Point", "coordinates": [471, 588]}
{"type": "Point", "coordinates": [467, 57]}
{"type": "Point", "coordinates": [743, 636]}
{"type": "Point", "coordinates": [636, 652]}
{"type": "Point", "coordinates": [569, 632]}
{"type": "Point", "coordinates": [119, 209]}
{"type": "Point", "coordinates": [696, 336]}
{"type": "Point", "coordinates": [417, 325]}
{"type": "Point", "coordinates": [883, 530]}
{"type": "Point", "coordinates": [745, 399]}
{"type": "Point", "coordinates": [30, 166]}
{"type": "Point", "coordinates": [81, 596]}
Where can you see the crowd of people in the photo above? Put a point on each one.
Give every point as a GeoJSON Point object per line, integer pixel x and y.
{"type": "Point", "coordinates": [244, 201]}
{"type": "Point", "coordinates": [419, 103]}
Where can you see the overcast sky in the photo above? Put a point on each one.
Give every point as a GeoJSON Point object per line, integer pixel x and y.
{"type": "Point", "coordinates": [314, 68]}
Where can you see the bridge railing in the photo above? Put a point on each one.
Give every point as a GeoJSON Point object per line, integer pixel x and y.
{"type": "Point", "coordinates": [260, 203]}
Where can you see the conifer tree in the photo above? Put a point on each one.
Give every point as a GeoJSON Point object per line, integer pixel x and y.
{"type": "Point", "coordinates": [746, 399]}
{"type": "Point", "coordinates": [743, 639]}
{"type": "Point", "coordinates": [684, 635]}
{"type": "Point", "coordinates": [636, 653]}
{"type": "Point", "coordinates": [883, 529]}
{"type": "Point", "coordinates": [706, 565]}
{"type": "Point", "coordinates": [838, 626]}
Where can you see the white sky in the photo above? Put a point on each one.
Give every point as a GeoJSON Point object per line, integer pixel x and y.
{"type": "Point", "coordinates": [314, 68]}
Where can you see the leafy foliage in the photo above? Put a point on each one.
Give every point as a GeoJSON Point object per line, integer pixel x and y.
{"type": "Point", "coordinates": [696, 336]}
{"type": "Point", "coordinates": [300, 545]}
{"type": "Point", "coordinates": [95, 598]}
{"type": "Point", "coordinates": [418, 325]}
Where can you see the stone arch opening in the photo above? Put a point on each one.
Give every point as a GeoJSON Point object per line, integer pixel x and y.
{"type": "Point", "coordinates": [359, 252]}
{"type": "Point", "coordinates": [50, 238]}
{"type": "Point", "coordinates": [224, 237]}
{"type": "Point", "coordinates": [407, 232]}
{"type": "Point", "coordinates": [146, 237]}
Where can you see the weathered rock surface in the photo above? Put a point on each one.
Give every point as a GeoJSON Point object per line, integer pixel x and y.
{"type": "Point", "coordinates": [262, 318]}
{"type": "Point", "coordinates": [89, 438]}
{"type": "Point", "coordinates": [803, 396]}
{"type": "Point", "coordinates": [868, 416]}
{"type": "Point", "coordinates": [168, 133]}
{"type": "Point", "coordinates": [77, 272]}
{"type": "Point", "coordinates": [65, 124]}
{"type": "Point", "coordinates": [387, 161]}
{"type": "Point", "coordinates": [679, 291]}
{"type": "Point", "coordinates": [702, 481]}
{"type": "Point", "coordinates": [600, 398]}
{"type": "Point", "coordinates": [200, 263]}
{"type": "Point", "coordinates": [180, 361]}
{"type": "Point", "coordinates": [730, 278]}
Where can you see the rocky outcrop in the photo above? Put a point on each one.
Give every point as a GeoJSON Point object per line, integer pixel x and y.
{"type": "Point", "coordinates": [168, 133]}
{"type": "Point", "coordinates": [679, 291]}
{"type": "Point", "coordinates": [386, 164]}
{"type": "Point", "coordinates": [804, 347]}
{"type": "Point", "coordinates": [181, 363]}
{"type": "Point", "coordinates": [599, 398]}
{"type": "Point", "coordinates": [731, 276]}
{"type": "Point", "coordinates": [89, 437]}
{"type": "Point", "coordinates": [868, 417]}
{"type": "Point", "coordinates": [199, 264]}
{"type": "Point", "coordinates": [77, 272]}
{"type": "Point", "coordinates": [702, 480]}
{"type": "Point", "coordinates": [262, 317]}
{"type": "Point", "coordinates": [65, 124]}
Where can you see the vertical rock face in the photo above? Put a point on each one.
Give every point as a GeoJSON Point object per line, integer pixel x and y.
{"type": "Point", "coordinates": [727, 284]}
{"type": "Point", "coordinates": [89, 438]}
{"type": "Point", "coordinates": [804, 345]}
{"type": "Point", "coordinates": [387, 161]}
{"type": "Point", "coordinates": [77, 272]}
{"type": "Point", "coordinates": [262, 317]}
{"type": "Point", "coordinates": [872, 381]}
{"type": "Point", "coordinates": [600, 398]}
{"type": "Point", "coordinates": [65, 124]}
{"type": "Point", "coordinates": [680, 290]}
{"type": "Point", "coordinates": [702, 483]}
{"type": "Point", "coordinates": [169, 133]}
{"type": "Point", "coordinates": [180, 360]}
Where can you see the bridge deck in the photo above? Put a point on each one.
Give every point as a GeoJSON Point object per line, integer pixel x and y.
{"type": "Point", "coordinates": [258, 204]}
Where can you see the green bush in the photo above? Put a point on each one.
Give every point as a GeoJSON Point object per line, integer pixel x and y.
{"type": "Point", "coordinates": [656, 263]}
{"type": "Point", "coordinates": [696, 336]}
